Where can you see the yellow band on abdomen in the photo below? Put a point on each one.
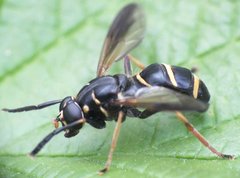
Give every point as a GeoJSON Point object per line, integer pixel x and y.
{"type": "Point", "coordinates": [142, 81]}
{"type": "Point", "coordinates": [170, 74]}
{"type": "Point", "coordinates": [195, 86]}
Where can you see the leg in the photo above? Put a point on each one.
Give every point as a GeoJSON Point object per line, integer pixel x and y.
{"type": "Point", "coordinates": [203, 140]}
{"type": "Point", "coordinates": [33, 107]}
{"type": "Point", "coordinates": [127, 66]}
{"type": "Point", "coordinates": [133, 112]}
{"type": "Point", "coordinates": [114, 143]}
{"type": "Point", "coordinates": [136, 61]}
{"type": "Point", "coordinates": [146, 113]}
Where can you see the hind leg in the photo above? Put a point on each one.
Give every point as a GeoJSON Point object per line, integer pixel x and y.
{"type": "Point", "coordinates": [200, 137]}
{"type": "Point", "coordinates": [127, 64]}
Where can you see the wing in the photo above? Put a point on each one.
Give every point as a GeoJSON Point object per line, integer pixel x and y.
{"type": "Point", "coordinates": [125, 33]}
{"type": "Point", "coordinates": [163, 99]}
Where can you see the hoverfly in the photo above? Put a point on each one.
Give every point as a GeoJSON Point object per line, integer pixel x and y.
{"type": "Point", "coordinates": [158, 87]}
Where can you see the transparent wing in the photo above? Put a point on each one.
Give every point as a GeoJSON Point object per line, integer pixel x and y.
{"type": "Point", "coordinates": [163, 99]}
{"type": "Point", "coordinates": [125, 33]}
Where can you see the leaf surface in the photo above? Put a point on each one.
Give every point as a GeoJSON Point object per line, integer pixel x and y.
{"type": "Point", "coordinates": [49, 50]}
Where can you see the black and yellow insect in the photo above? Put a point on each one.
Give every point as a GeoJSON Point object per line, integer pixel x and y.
{"type": "Point", "coordinates": [158, 87]}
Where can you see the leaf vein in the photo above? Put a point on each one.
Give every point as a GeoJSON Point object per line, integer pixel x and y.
{"type": "Point", "coordinates": [27, 61]}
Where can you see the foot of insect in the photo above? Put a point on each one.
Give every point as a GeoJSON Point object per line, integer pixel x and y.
{"type": "Point", "coordinates": [200, 137]}
{"type": "Point", "coordinates": [103, 171]}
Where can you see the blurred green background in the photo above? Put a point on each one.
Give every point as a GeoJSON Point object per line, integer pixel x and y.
{"type": "Point", "coordinates": [50, 49]}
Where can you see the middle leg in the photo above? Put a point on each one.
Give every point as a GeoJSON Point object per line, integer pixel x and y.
{"type": "Point", "coordinates": [114, 143]}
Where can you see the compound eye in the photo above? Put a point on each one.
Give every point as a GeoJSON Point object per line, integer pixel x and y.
{"type": "Point", "coordinates": [72, 112]}
{"type": "Point", "coordinates": [64, 102]}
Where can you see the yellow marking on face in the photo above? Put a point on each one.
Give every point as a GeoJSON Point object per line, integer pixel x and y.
{"type": "Point", "coordinates": [64, 122]}
{"type": "Point", "coordinates": [65, 104]}
{"type": "Point", "coordinates": [104, 111]}
{"type": "Point", "coordinates": [170, 74]}
{"type": "Point", "coordinates": [195, 86]}
{"type": "Point", "coordinates": [95, 99]}
{"type": "Point", "coordinates": [142, 81]}
{"type": "Point", "coordinates": [61, 115]}
{"type": "Point", "coordinates": [85, 109]}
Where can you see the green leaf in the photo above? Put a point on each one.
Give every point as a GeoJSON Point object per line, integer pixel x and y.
{"type": "Point", "coordinates": [49, 50]}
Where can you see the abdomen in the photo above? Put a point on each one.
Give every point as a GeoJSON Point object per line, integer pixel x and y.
{"type": "Point", "coordinates": [176, 78]}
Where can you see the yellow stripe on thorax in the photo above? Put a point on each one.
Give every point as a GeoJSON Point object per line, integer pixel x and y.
{"type": "Point", "coordinates": [142, 81]}
{"type": "Point", "coordinates": [104, 111]}
{"type": "Point", "coordinates": [195, 86]}
{"type": "Point", "coordinates": [95, 99]}
{"type": "Point", "coordinates": [170, 74]}
{"type": "Point", "coordinates": [86, 108]}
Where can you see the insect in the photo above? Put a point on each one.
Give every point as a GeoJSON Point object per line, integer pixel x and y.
{"type": "Point", "coordinates": [158, 87]}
